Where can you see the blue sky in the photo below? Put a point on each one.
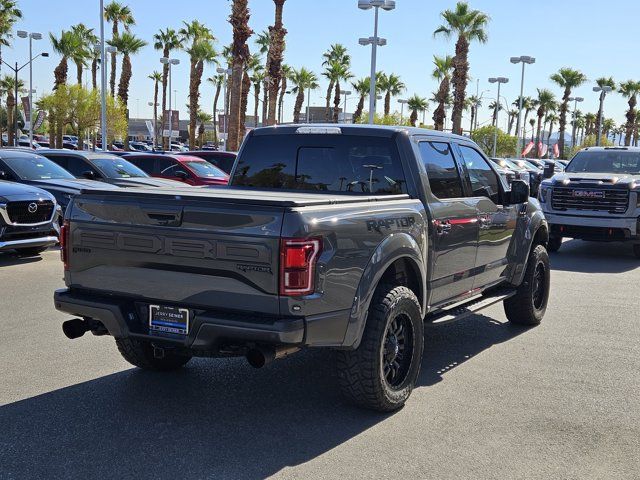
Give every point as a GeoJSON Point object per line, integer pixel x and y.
{"type": "Point", "coordinates": [597, 38]}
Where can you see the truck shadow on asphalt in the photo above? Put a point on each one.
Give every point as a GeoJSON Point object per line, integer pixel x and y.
{"type": "Point", "coordinates": [8, 259]}
{"type": "Point", "coordinates": [215, 418]}
{"type": "Point", "coordinates": [594, 257]}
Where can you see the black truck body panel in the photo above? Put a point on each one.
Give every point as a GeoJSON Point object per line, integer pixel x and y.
{"type": "Point", "coordinates": [217, 252]}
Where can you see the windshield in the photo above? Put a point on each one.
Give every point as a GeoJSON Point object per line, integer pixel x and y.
{"type": "Point", "coordinates": [37, 168]}
{"type": "Point", "coordinates": [204, 169]}
{"type": "Point", "coordinates": [117, 168]}
{"type": "Point", "coordinates": [605, 161]}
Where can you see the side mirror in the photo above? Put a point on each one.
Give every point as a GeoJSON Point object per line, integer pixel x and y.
{"type": "Point", "coordinates": [549, 170]}
{"type": "Point", "coordinates": [181, 175]}
{"type": "Point", "coordinates": [89, 175]}
{"type": "Point", "coordinates": [519, 192]}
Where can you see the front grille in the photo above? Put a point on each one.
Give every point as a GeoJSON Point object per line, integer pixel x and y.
{"type": "Point", "coordinates": [23, 212]}
{"type": "Point", "coordinates": [599, 199]}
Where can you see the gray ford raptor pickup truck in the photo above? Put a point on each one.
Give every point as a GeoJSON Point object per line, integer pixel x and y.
{"type": "Point", "coordinates": [344, 237]}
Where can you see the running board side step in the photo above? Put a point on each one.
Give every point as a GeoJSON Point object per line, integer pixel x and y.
{"type": "Point", "coordinates": [459, 311]}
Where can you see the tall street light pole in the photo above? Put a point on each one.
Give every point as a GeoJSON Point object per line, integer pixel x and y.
{"type": "Point", "coordinates": [524, 60]}
{"type": "Point", "coordinates": [499, 81]}
{"type": "Point", "coordinates": [375, 42]}
{"type": "Point", "coordinates": [603, 93]}
{"type": "Point", "coordinates": [32, 36]}
{"type": "Point", "coordinates": [103, 82]}
{"type": "Point", "coordinates": [402, 103]}
{"type": "Point", "coordinates": [226, 72]}
{"type": "Point", "coordinates": [170, 62]}
{"type": "Point", "coordinates": [575, 101]}
{"type": "Point", "coordinates": [346, 94]}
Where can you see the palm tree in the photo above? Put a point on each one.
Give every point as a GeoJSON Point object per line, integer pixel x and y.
{"type": "Point", "coordinates": [630, 90]}
{"type": "Point", "coordinates": [166, 40]}
{"type": "Point", "coordinates": [336, 71]}
{"type": "Point", "coordinates": [66, 45]}
{"type": "Point", "coordinates": [202, 118]}
{"type": "Point", "coordinates": [513, 114]}
{"type": "Point", "coordinates": [603, 82]}
{"type": "Point", "coordinates": [257, 78]}
{"type": "Point", "coordinates": [590, 121]}
{"type": "Point", "coordinates": [9, 15]}
{"type": "Point", "coordinates": [474, 103]}
{"type": "Point", "coordinates": [362, 88]}
{"type": "Point", "coordinates": [546, 99]}
{"type": "Point", "coordinates": [416, 104]}
{"type": "Point", "coordinates": [200, 50]}
{"type": "Point", "coordinates": [568, 79]}
{"type": "Point", "coordinates": [393, 86]}
{"type": "Point", "coordinates": [117, 14]}
{"type": "Point", "coordinates": [608, 127]}
{"type": "Point", "coordinates": [218, 82]}
{"type": "Point", "coordinates": [468, 25]}
{"type": "Point", "coordinates": [8, 87]}
{"type": "Point", "coordinates": [532, 122]}
{"type": "Point", "coordinates": [580, 123]}
{"type": "Point", "coordinates": [442, 73]}
{"type": "Point", "coordinates": [552, 118]}
{"type": "Point", "coordinates": [240, 54]}
{"type": "Point", "coordinates": [286, 75]}
{"type": "Point", "coordinates": [86, 41]}
{"type": "Point", "coordinates": [337, 54]}
{"type": "Point", "coordinates": [495, 107]}
{"type": "Point", "coordinates": [302, 80]}
{"type": "Point", "coordinates": [156, 77]}
{"type": "Point", "coordinates": [274, 60]}
{"type": "Point", "coordinates": [127, 44]}
{"type": "Point", "coordinates": [263, 41]}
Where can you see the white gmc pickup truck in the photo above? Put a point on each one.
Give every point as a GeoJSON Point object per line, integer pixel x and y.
{"type": "Point", "coordinates": [596, 198]}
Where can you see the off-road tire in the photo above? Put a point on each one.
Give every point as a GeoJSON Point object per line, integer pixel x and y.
{"type": "Point", "coordinates": [31, 251]}
{"type": "Point", "coordinates": [361, 372]}
{"type": "Point", "coordinates": [636, 250]}
{"type": "Point", "coordinates": [140, 354]}
{"type": "Point", "coordinates": [554, 243]}
{"type": "Point", "coordinates": [529, 304]}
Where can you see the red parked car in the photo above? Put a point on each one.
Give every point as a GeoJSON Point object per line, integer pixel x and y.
{"type": "Point", "coordinates": [188, 169]}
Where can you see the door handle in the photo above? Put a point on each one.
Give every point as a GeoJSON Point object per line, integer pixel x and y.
{"type": "Point", "coordinates": [442, 226]}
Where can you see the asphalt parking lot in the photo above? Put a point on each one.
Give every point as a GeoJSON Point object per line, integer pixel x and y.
{"type": "Point", "coordinates": [493, 401]}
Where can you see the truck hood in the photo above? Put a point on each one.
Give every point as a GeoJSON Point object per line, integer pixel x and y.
{"type": "Point", "coordinates": [600, 179]}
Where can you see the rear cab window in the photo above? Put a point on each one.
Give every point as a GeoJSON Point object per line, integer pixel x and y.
{"type": "Point", "coordinates": [348, 164]}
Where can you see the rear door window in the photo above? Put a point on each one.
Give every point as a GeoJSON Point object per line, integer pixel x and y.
{"type": "Point", "coordinates": [324, 163]}
{"type": "Point", "coordinates": [442, 171]}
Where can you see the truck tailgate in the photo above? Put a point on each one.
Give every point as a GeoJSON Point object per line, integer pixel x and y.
{"type": "Point", "coordinates": [195, 250]}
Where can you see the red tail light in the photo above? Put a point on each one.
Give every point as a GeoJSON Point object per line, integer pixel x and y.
{"type": "Point", "coordinates": [64, 244]}
{"type": "Point", "coordinates": [297, 265]}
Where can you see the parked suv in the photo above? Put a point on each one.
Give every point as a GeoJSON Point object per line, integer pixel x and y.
{"type": "Point", "coordinates": [596, 198]}
{"type": "Point", "coordinates": [185, 168]}
{"type": "Point", "coordinates": [27, 219]}
{"type": "Point", "coordinates": [343, 237]}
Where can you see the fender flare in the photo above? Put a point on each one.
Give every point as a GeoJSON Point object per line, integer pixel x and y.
{"type": "Point", "coordinates": [536, 221]}
{"type": "Point", "coordinates": [393, 247]}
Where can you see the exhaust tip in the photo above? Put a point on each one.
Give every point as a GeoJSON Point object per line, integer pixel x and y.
{"type": "Point", "coordinates": [75, 328]}
{"type": "Point", "coordinates": [259, 357]}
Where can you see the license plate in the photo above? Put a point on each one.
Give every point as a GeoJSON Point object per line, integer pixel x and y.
{"type": "Point", "coordinates": [588, 193]}
{"type": "Point", "coordinates": [167, 319]}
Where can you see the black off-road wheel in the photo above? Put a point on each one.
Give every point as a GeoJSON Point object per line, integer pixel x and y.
{"type": "Point", "coordinates": [529, 304]}
{"type": "Point", "coordinates": [382, 372]}
{"type": "Point", "coordinates": [636, 250]}
{"type": "Point", "coordinates": [140, 354]}
{"type": "Point", "coordinates": [554, 244]}
{"type": "Point", "coordinates": [30, 252]}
